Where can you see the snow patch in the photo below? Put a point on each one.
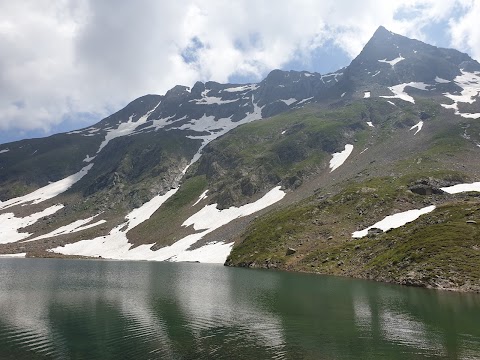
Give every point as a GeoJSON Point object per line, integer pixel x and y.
{"type": "Point", "coordinates": [10, 224]}
{"type": "Point", "coordinates": [217, 128]}
{"type": "Point", "coordinates": [116, 245]}
{"type": "Point", "coordinates": [455, 189]}
{"type": "Point", "coordinates": [366, 94]}
{"type": "Point", "coordinates": [71, 228]}
{"type": "Point", "coordinates": [395, 221]}
{"type": "Point", "coordinates": [343, 94]}
{"type": "Point", "coordinates": [304, 100]}
{"type": "Point", "coordinates": [249, 87]}
{"type": "Point", "coordinates": [289, 101]}
{"type": "Point", "coordinates": [335, 75]}
{"type": "Point", "coordinates": [418, 126]}
{"type": "Point", "coordinates": [470, 84]}
{"type": "Point", "coordinates": [47, 192]}
{"type": "Point", "coordinates": [209, 100]}
{"type": "Point", "coordinates": [378, 72]}
{"type": "Point", "coordinates": [363, 151]}
{"type": "Point", "coordinates": [201, 197]}
{"type": "Point", "coordinates": [391, 102]}
{"type": "Point", "coordinates": [88, 158]}
{"type": "Point", "coordinates": [125, 129]}
{"type": "Point", "coordinates": [399, 91]}
{"type": "Point", "coordinates": [18, 255]}
{"type": "Point", "coordinates": [441, 81]}
{"type": "Point", "coordinates": [339, 158]}
{"type": "Point", "coordinates": [369, 123]}
{"type": "Point", "coordinates": [394, 61]}
{"type": "Point", "coordinates": [4, 151]}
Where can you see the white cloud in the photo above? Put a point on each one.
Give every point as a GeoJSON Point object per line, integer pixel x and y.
{"type": "Point", "coordinates": [63, 57]}
{"type": "Point", "coordinates": [464, 31]}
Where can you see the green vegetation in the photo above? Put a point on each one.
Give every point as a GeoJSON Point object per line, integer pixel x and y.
{"type": "Point", "coordinates": [288, 148]}
{"type": "Point", "coordinates": [440, 249]}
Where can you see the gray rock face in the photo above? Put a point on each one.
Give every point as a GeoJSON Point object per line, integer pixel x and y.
{"type": "Point", "coordinates": [389, 59]}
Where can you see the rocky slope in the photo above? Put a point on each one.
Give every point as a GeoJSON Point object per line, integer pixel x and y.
{"type": "Point", "coordinates": [287, 172]}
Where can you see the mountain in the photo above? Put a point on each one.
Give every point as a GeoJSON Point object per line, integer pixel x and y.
{"type": "Point", "coordinates": [371, 172]}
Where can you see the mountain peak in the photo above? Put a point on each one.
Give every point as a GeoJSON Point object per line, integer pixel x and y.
{"type": "Point", "coordinates": [388, 59]}
{"type": "Point", "coordinates": [381, 32]}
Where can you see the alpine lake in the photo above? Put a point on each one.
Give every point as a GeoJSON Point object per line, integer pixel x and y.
{"type": "Point", "coordinates": [98, 309]}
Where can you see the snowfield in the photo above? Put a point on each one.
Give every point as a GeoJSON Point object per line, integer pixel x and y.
{"type": "Point", "coordinates": [18, 255]}
{"type": "Point", "coordinates": [339, 158]}
{"type": "Point", "coordinates": [125, 129]}
{"type": "Point", "coordinates": [399, 91]}
{"type": "Point", "coordinates": [470, 84]}
{"type": "Point", "coordinates": [455, 189]}
{"type": "Point", "coordinates": [116, 246]}
{"type": "Point", "coordinates": [243, 88]}
{"type": "Point", "coordinates": [74, 227]}
{"type": "Point", "coordinates": [395, 221]}
{"type": "Point", "coordinates": [47, 192]}
{"type": "Point", "coordinates": [10, 224]}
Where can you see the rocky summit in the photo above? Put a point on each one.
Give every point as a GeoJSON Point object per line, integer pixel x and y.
{"type": "Point", "coordinates": [372, 171]}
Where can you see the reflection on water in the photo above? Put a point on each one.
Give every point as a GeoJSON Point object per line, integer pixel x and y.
{"type": "Point", "coordinates": [66, 309]}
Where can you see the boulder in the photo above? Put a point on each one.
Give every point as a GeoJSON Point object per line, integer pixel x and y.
{"type": "Point", "coordinates": [290, 251]}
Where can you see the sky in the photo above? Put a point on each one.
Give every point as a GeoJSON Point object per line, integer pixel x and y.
{"type": "Point", "coordinates": [66, 64]}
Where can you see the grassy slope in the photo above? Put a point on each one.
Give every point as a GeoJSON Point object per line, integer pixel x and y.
{"type": "Point", "coordinates": [439, 250]}
{"type": "Point", "coordinates": [285, 149]}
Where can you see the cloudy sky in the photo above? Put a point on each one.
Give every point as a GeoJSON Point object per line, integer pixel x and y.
{"type": "Point", "coordinates": [65, 64]}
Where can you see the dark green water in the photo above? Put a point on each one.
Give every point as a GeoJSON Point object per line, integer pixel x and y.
{"type": "Point", "coordinates": [65, 309]}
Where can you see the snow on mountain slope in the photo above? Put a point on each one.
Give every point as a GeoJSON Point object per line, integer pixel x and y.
{"type": "Point", "coordinates": [76, 226]}
{"type": "Point", "coordinates": [470, 84]}
{"type": "Point", "coordinates": [417, 126]}
{"type": "Point", "coordinates": [17, 255]}
{"type": "Point", "coordinates": [201, 197]}
{"type": "Point", "coordinates": [125, 129]}
{"type": "Point", "coordinates": [400, 93]}
{"type": "Point", "coordinates": [339, 158]}
{"type": "Point", "coordinates": [459, 188]}
{"type": "Point", "coordinates": [116, 246]}
{"type": "Point", "coordinates": [392, 62]}
{"type": "Point", "coordinates": [395, 221]}
{"type": "Point", "coordinates": [10, 224]}
{"type": "Point", "coordinates": [47, 192]}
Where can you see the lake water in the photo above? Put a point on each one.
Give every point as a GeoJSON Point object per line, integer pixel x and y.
{"type": "Point", "coordinates": [81, 309]}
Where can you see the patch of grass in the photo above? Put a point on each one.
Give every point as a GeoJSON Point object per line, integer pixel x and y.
{"type": "Point", "coordinates": [165, 222]}
{"type": "Point", "coordinates": [268, 238]}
